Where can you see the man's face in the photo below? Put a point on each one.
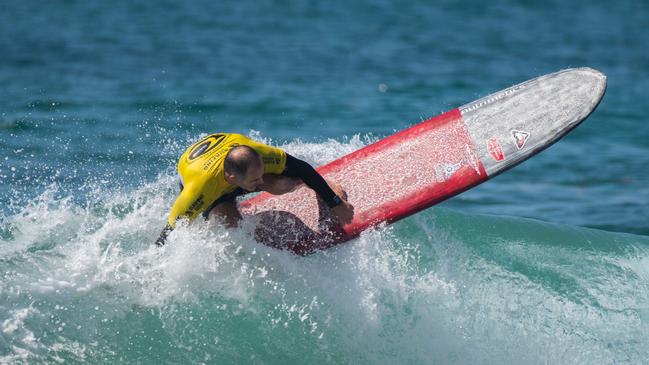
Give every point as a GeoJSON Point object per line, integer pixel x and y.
{"type": "Point", "coordinates": [254, 177]}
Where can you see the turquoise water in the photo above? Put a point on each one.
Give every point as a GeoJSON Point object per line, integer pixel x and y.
{"type": "Point", "coordinates": [547, 263]}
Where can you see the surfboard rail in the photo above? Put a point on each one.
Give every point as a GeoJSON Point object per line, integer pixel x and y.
{"type": "Point", "coordinates": [431, 161]}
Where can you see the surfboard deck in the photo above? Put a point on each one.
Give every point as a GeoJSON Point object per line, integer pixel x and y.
{"type": "Point", "coordinates": [430, 162]}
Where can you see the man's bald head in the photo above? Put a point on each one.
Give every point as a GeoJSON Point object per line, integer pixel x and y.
{"type": "Point", "coordinates": [239, 159]}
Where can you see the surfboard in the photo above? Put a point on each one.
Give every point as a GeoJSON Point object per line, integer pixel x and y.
{"type": "Point", "coordinates": [430, 162]}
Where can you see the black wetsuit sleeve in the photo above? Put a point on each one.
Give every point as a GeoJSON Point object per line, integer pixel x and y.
{"type": "Point", "coordinates": [300, 169]}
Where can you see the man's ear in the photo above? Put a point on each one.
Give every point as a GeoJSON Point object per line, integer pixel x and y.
{"type": "Point", "coordinates": [230, 178]}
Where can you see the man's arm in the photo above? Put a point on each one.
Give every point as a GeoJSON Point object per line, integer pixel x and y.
{"type": "Point", "coordinates": [181, 208]}
{"type": "Point", "coordinates": [337, 202]}
{"type": "Point", "coordinates": [228, 212]}
{"type": "Point", "coordinates": [302, 170]}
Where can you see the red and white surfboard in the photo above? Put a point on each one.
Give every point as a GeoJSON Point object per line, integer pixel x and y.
{"type": "Point", "coordinates": [431, 161]}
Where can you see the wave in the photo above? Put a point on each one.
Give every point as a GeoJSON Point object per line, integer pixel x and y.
{"type": "Point", "coordinates": [83, 282]}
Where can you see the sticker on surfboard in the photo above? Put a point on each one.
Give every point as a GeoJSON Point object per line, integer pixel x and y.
{"type": "Point", "coordinates": [520, 137]}
{"type": "Point", "coordinates": [495, 149]}
{"type": "Point", "coordinates": [446, 170]}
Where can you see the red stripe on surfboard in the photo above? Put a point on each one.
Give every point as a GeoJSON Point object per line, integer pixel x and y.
{"type": "Point", "coordinates": [460, 181]}
{"type": "Point", "coordinates": [392, 211]}
{"type": "Point", "coordinates": [392, 140]}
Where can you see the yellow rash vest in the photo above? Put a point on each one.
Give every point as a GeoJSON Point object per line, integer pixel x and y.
{"type": "Point", "coordinates": [201, 171]}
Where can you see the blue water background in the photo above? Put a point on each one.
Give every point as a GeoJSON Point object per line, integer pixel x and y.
{"type": "Point", "coordinates": [91, 89]}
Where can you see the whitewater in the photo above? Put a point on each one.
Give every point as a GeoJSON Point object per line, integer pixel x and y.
{"type": "Point", "coordinates": [82, 282]}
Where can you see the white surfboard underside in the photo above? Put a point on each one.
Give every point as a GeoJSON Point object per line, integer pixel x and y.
{"type": "Point", "coordinates": [528, 117]}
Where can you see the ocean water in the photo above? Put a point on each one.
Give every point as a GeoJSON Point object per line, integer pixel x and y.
{"type": "Point", "coordinates": [546, 263]}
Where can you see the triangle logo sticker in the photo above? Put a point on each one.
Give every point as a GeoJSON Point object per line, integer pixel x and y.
{"type": "Point", "coordinates": [520, 137]}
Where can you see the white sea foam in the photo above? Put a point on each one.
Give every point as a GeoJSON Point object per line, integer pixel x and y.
{"type": "Point", "coordinates": [423, 289]}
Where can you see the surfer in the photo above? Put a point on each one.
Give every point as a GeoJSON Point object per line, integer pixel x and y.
{"type": "Point", "coordinates": [220, 167]}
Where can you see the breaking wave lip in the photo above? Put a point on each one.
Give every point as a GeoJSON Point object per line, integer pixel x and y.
{"type": "Point", "coordinates": [442, 285]}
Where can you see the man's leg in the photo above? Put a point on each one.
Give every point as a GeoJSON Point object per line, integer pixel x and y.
{"type": "Point", "coordinates": [279, 184]}
{"type": "Point", "coordinates": [227, 212]}
{"type": "Point", "coordinates": [225, 208]}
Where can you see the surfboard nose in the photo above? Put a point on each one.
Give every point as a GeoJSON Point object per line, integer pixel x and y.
{"type": "Point", "coordinates": [509, 126]}
{"type": "Point", "coordinates": [592, 82]}
{"type": "Point", "coordinates": [577, 91]}
{"type": "Point", "coordinates": [591, 72]}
